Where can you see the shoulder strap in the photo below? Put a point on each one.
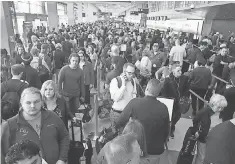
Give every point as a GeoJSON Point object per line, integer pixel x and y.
{"type": "Point", "coordinates": [18, 87]}
{"type": "Point", "coordinates": [132, 82]}
{"type": "Point", "coordinates": [119, 80]}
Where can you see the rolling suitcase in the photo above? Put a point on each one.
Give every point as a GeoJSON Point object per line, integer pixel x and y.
{"type": "Point", "coordinates": [187, 151]}
{"type": "Point", "coordinates": [80, 152]}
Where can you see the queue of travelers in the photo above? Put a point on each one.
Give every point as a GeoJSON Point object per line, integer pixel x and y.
{"type": "Point", "coordinates": [45, 81]}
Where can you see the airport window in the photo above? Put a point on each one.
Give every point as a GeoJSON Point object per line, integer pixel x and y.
{"type": "Point", "coordinates": [22, 6]}
{"type": "Point", "coordinates": [61, 9]}
{"type": "Point", "coordinates": [36, 7]}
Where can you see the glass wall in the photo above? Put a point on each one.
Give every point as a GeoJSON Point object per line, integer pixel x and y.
{"type": "Point", "coordinates": [61, 9]}
{"type": "Point", "coordinates": [22, 6]}
{"type": "Point", "coordinates": [36, 7]}
{"type": "Point", "coordinates": [33, 7]}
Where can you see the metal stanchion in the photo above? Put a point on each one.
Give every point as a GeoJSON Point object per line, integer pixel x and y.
{"type": "Point", "coordinates": [96, 116]}
{"type": "Point", "coordinates": [96, 103]}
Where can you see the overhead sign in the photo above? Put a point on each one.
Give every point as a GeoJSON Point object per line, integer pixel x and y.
{"type": "Point", "coordinates": [191, 26]}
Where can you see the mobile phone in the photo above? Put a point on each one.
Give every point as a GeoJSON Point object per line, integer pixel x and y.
{"type": "Point", "coordinates": [125, 77]}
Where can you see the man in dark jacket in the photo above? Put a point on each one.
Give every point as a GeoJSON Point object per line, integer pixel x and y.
{"type": "Point", "coordinates": [8, 87]}
{"type": "Point", "coordinates": [220, 145]}
{"type": "Point", "coordinates": [154, 117]}
{"type": "Point", "coordinates": [59, 59]}
{"type": "Point", "coordinates": [175, 86]}
{"type": "Point", "coordinates": [41, 126]}
{"type": "Point", "coordinates": [30, 74]}
{"type": "Point", "coordinates": [229, 94]}
{"type": "Point", "coordinates": [200, 79]}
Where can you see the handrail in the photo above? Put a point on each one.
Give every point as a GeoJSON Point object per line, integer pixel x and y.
{"type": "Point", "coordinates": [220, 79]}
{"type": "Point", "coordinates": [199, 97]}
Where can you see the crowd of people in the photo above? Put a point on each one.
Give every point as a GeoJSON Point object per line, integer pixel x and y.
{"type": "Point", "coordinates": [45, 82]}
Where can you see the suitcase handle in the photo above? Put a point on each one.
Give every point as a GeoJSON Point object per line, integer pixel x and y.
{"type": "Point", "coordinates": [72, 128]}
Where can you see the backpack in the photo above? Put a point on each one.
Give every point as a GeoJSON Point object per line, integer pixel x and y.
{"type": "Point", "coordinates": [10, 103]}
{"type": "Point", "coordinates": [140, 91]}
{"type": "Point", "coordinates": [42, 69]}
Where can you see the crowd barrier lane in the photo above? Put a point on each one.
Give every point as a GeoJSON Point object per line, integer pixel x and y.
{"type": "Point", "coordinates": [96, 103]}
{"type": "Point", "coordinates": [96, 117]}
{"type": "Point", "coordinates": [199, 97]}
{"type": "Point", "coordinates": [220, 79]}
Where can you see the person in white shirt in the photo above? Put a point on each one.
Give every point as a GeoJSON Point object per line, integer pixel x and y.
{"type": "Point", "coordinates": [177, 52]}
{"type": "Point", "coordinates": [124, 93]}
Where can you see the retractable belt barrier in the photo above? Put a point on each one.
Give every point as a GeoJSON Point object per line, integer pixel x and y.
{"type": "Point", "coordinates": [199, 97]}
{"type": "Point", "coordinates": [220, 79]}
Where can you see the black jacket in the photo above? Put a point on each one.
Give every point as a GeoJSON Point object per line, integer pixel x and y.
{"type": "Point", "coordinates": [229, 110]}
{"type": "Point", "coordinates": [62, 111]}
{"type": "Point", "coordinates": [202, 123]}
{"type": "Point", "coordinates": [154, 117]}
{"type": "Point", "coordinates": [31, 76]}
{"type": "Point", "coordinates": [59, 58]}
{"type": "Point", "coordinates": [175, 88]}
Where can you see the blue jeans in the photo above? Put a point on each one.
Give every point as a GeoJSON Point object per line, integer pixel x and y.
{"type": "Point", "coordinates": [201, 151]}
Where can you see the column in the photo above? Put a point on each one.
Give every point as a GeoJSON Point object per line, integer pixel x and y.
{"type": "Point", "coordinates": [70, 13]}
{"type": "Point", "coordinates": [53, 18]}
{"type": "Point", "coordinates": [7, 30]}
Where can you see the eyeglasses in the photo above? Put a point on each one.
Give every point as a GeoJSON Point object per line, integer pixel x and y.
{"type": "Point", "coordinates": [130, 73]}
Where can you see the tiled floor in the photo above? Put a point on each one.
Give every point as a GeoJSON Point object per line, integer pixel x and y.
{"type": "Point", "coordinates": [174, 144]}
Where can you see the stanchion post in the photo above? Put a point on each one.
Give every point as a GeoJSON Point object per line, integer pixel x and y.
{"type": "Point", "coordinates": [96, 116]}
{"type": "Point", "coordinates": [96, 103]}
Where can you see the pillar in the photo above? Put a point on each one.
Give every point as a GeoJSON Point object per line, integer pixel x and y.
{"type": "Point", "coordinates": [7, 30]}
{"type": "Point", "coordinates": [70, 13]}
{"type": "Point", "coordinates": [53, 18]}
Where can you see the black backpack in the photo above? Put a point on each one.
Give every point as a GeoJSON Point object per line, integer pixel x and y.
{"type": "Point", "coordinates": [10, 102]}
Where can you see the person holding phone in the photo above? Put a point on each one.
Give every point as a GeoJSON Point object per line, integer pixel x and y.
{"type": "Point", "coordinates": [122, 89]}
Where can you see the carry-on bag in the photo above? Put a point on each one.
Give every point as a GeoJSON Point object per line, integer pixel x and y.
{"type": "Point", "coordinates": [80, 152]}
{"type": "Point", "coordinates": [188, 149]}
{"type": "Point", "coordinates": [86, 111]}
{"type": "Point", "coordinates": [105, 136]}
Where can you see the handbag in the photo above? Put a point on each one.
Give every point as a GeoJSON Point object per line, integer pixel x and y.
{"type": "Point", "coordinates": [184, 104]}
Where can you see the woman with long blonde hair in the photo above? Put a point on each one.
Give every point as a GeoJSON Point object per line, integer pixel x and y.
{"type": "Point", "coordinates": [54, 102]}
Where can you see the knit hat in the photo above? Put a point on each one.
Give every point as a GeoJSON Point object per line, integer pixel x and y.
{"type": "Point", "coordinates": [26, 57]}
